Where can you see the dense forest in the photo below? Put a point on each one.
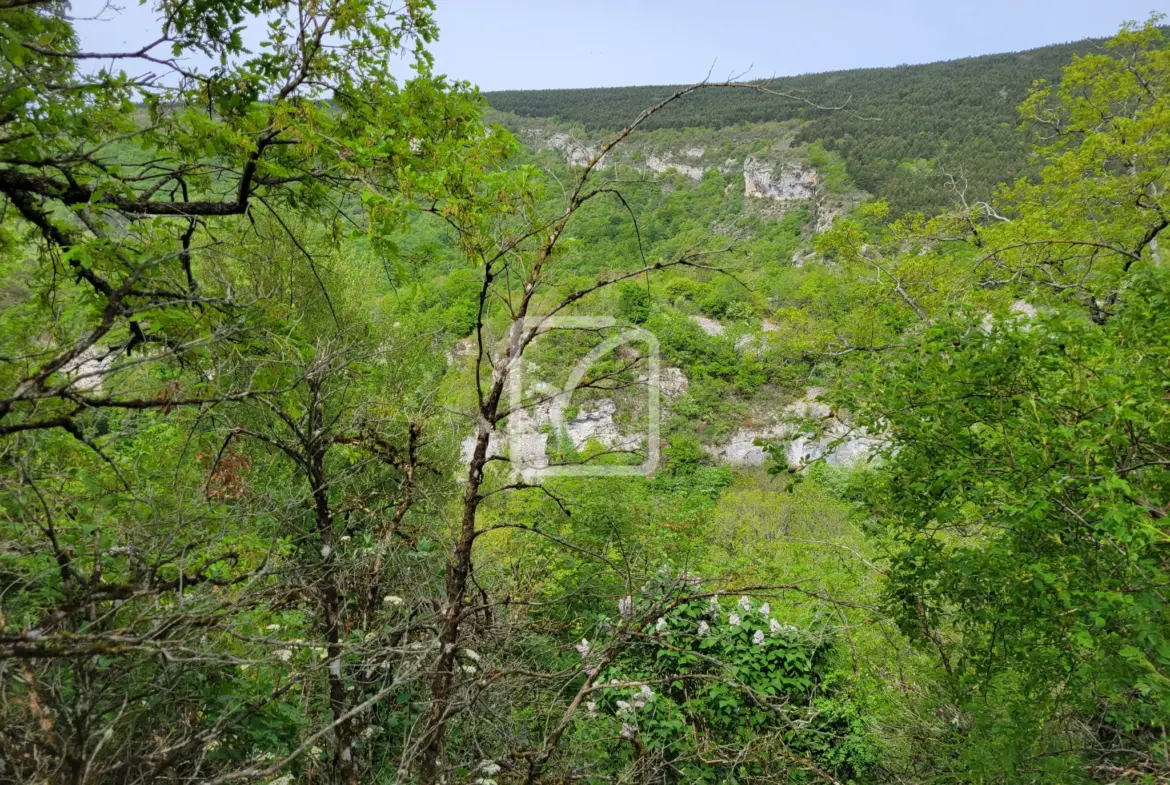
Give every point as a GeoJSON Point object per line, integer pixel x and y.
{"type": "Point", "coordinates": [900, 130]}
{"type": "Point", "coordinates": [348, 436]}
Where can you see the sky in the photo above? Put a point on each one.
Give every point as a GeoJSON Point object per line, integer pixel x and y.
{"type": "Point", "coordinates": [535, 44]}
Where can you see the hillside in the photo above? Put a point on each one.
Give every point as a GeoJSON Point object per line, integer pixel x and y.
{"type": "Point", "coordinates": [902, 128]}
{"type": "Point", "coordinates": [353, 432]}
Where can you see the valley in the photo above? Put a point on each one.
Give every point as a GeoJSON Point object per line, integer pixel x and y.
{"type": "Point", "coordinates": [361, 427]}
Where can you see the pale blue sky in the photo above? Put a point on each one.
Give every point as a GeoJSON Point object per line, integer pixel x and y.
{"type": "Point", "coordinates": [504, 44]}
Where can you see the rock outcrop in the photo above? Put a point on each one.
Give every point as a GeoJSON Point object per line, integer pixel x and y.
{"type": "Point", "coordinates": [708, 325]}
{"type": "Point", "coordinates": [837, 442]}
{"type": "Point", "coordinates": [791, 182]}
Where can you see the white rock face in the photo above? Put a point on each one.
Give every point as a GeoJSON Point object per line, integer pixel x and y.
{"type": "Point", "coordinates": [85, 371]}
{"type": "Point", "coordinates": [709, 326]}
{"type": "Point", "coordinates": [463, 349]}
{"type": "Point", "coordinates": [595, 421]}
{"type": "Point", "coordinates": [528, 447]}
{"type": "Point", "coordinates": [856, 444]}
{"type": "Point", "coordinates": [467, 447]}
{"type": "Point", "coordinates": [576, 153]}
{"type": "Point", "coordinates": [672, 382]}
{"type": "Point", "coordinates": [791, 183]}
{"type": "Point", "coordinates": [824, 215]}
{"type": "Point", "coordinates": [527, 439]}
{"type": "Point", "coordinates": [660, 165]}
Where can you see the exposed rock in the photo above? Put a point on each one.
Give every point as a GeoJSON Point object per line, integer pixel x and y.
{"type": "Point", "coordinates": [578, 153]}
{"type": "Point", "coordinates": [792, 183]}
{"type": "Point", "coordinates": [709, 326]}
{"type": "Point", "coordinates": [85, 371]}
{"type": "Point", "coordinates": [824, 214]}
{"type": "Point", "coordinates": [855, 445]}
{"type": "Point", "coordinates": [595, 421]}
{"type": "Point", "coordinates": [741, 449]}
{"type": "Point", "coordinates": [462, 350]}
{"type": "Point", "coordinates": [672, 381]}
{"type": "Point", "coordinates": [527, 439]}
{"type": "Point", "coordinates": [660, 165]}
{"type": "Point", "coordinates": [799, 257]}
{"type": "Point", "coordinates": [575, 153]}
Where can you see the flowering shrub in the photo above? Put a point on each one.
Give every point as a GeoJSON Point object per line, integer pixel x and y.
{"type": "Point", "coordinates": [705, 686]}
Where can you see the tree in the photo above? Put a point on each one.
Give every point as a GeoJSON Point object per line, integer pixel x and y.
{"type": "Point", "coordinates": [184, 340]}
{"type": "Point", "coordinates": [1024, 490]}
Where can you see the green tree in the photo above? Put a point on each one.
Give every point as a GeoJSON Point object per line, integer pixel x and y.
{"type": "Point", "coordinates": [1024, 492]}
{"type": "Point", "coordinates": [633, 303]}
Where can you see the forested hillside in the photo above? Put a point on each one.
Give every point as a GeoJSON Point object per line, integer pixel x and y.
{"type": "Point", "coordinates": [900, 130]}
{"type": "Point", "coordinates": [348, 435]}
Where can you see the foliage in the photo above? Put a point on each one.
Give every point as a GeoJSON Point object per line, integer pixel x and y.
{"type": "Point", "coordinates": [706, 682]}
{"type": "Point", "coordinates": [251, 313]}
{"type": "Point", "coordinates": [885, 123]}
{"type": "Point", "coordinates": [1022, 494]}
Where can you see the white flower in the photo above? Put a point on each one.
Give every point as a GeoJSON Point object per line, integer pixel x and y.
{"type": "Point", "coordinates": [765, 610]}
{"type": "Point", "coordinates": [660, 625]}
{"type": "Point", "coordinates": [774, 626]}
{"type": "Point", "coordinates": [369, 732]}
{"type": "Point", "coordinates": [471, 655]}
{"type": "Point", "coordinates": [626, 605]}
{"type": "Point", "coordinates": [758, 638]}
{"type": "Point", "coordinates": [583, 648]}
{"type": "Point", "coordinates": [704, 628]}
{"type": "Point", "coordinates": [245, 666]}
{"type": "Point", "coordinates": [591, 707]}
{"type": "Point", "coordinates": [272, 627]}
{"type": "Point", "coordinates": [314, 752]}
{"type": "Point", "coordinates": [647, 692]}
{"type": "Point", "coordinates": [733, 619]}
{"type": "Point", "coordinates": [713, 606]}
{"type": "Point", "coordinates": [321, 652]}
{"type": "Point", "coordinates": [268, 756]}
{"type": "Point", "coordinates": [283, 654]}
{"type": "Point", "coordinates": [391, 599]}
{"type": "Point", "coordinates": [345, 538]}
{"type": "Point", "coordinates": [469, 669]}
{"type": "Point", "coordinates": [623, 705]}
{"type": "Point", "coordinates": [745, 603]}
{"type": "Point", "coordinates": [629, 730]}
{"type": "Point", "coordinates": [213, 745]}
{"type": "Point", "coordinates": [491, 768]}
